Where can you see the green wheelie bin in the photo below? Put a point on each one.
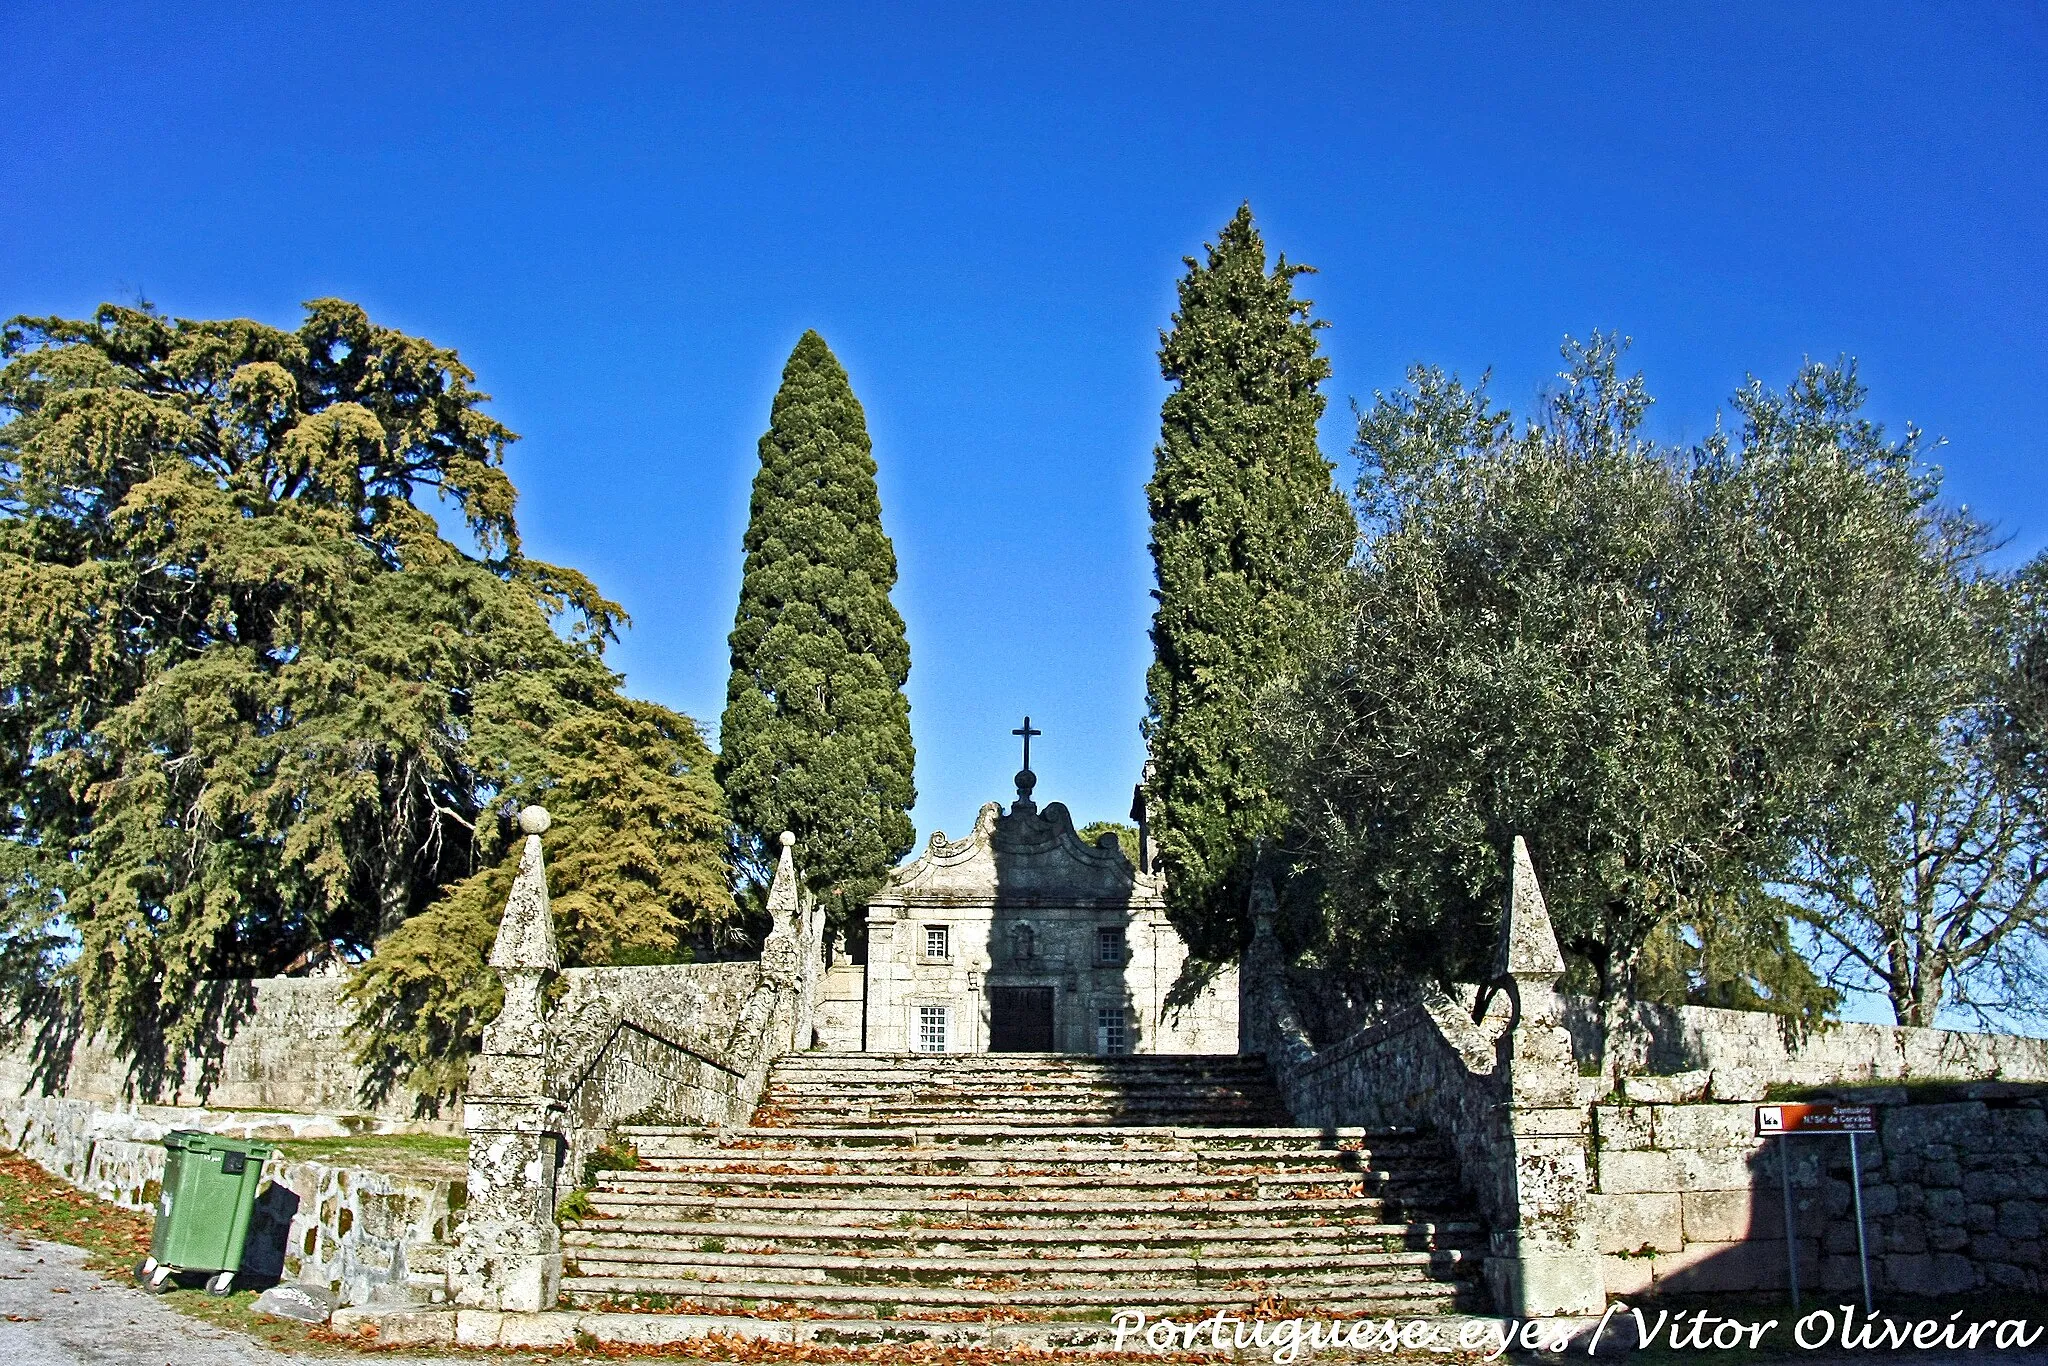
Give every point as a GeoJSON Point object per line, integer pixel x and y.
{"type": "Point", "coordinates": [202, 1217]}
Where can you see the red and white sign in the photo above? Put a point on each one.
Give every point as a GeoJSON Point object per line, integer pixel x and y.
{"type": "Point", "coordinates": [1816, 1119]}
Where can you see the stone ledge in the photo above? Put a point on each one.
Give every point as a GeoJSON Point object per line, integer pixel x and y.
{"type": "Point", "coordinates": [557, 1328]}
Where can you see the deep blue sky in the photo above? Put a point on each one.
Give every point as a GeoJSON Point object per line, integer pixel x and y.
{"type": "Point", "coordinates": [623, 219]}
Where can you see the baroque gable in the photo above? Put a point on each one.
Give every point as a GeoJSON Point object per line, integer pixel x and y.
{"type": "Point", "coordinates": [1022, 856]}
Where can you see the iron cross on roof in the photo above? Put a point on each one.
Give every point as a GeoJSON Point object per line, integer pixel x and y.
{"type": "Point", "coordinates": [1027, 732]}
{"type": "Point", "coordinates": [1026, 779]}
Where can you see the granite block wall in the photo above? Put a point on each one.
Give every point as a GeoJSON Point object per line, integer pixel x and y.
{"type": "Point", "coordinates": [372, 1237]}
{"type": "Point", "coordinates": [282, 1046]}
{"type": "Point", "coordinates": [287, 1049]}
{"type": "Point", "coordinates": [1955, 1185]}
{"type": "Point", "coordinates": [1736, 1054]}
{"type": "Point", "coordinates": [1421, 1068]}
{"type": "Point", "coordinates": [646, 1045]}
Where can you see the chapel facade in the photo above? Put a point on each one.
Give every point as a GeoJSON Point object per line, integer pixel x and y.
{"type": "Point", "coordinates": [1023, 938]}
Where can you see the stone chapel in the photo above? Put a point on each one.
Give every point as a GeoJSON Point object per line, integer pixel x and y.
{"type": "Point", "coordinates": [1021, 938]}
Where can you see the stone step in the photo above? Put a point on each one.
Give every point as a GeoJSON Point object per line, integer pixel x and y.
{"type": "Point", "coordinates": [1022, 1100]}
{"type": "Point", "coordinates": [1344, 1137]}
{"type": "Point", "coordinates": [1417, 1299]}
{"type": "Point", "coordinates": [966, 1133]}
{"type": "Point", "coordinates": [898, 1116]}
{"type": "Point", "coordinates": [881, 1086]}
{"type": "Point", "coordinates": [976, 1187]}
{"type": "Point", "coordinates": [1229, 1240]}
{"type": "Point", "coordinates": [882, 1212]}
{"type": "Point", "coordinates": [997, 1161]}
{"type": "Point", "coordinates": [957, 1094]}
{"type": "Point", "coordinates": [1065, 1145]}
{"type": "Point", "coordinates": [1057, 1187]}
{"type": "Point", "coordinates": [1317, 1268]}
{"type": "Point", "coordinates": [791, 1064]}
{"type": "Point", "coordinates": [970, 1074]}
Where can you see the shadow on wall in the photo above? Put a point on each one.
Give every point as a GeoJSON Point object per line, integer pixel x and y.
{"type": "Point", "coordinates": [1062, 940]}
{"type": "Point", "coordinates": [1955, 1196]}
{"type": "Point", "coordinates": [47, 1033]}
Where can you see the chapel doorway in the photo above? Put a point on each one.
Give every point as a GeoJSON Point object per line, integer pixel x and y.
{"type": "Point", "coordinates": [1020, 1020]}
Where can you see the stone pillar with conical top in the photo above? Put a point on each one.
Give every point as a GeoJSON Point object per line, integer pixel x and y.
{"type": "Point", "coordinates": [508, 1255]}
{"type": "Point", "coordinates": [1543, 1260]}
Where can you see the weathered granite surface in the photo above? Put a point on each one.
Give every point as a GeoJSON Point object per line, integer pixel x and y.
{"type": "Point", "coordinates": [646, 1045]}
{"type": "Point", "coordinates": [1023, 901]}
{"type": "Point", "coordinates": [1502, 1088]}
{"type": "Point", "coordinates": [1739, 1052]}
{"type": "Point", "coordinates": [371, 1237]}
{"type": "Point", "coordinates": [1638, 1126]}
{"type": "Point", "coordinates": [508, 1250]}
{"type": "Point", "coordinates": [1955, 1197]}
{"type": "Point", "coordinates": [284, 1048]}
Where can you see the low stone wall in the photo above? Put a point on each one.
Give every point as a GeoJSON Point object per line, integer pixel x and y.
{"type": "Point", "coordinates": [1688, 1199]}
{"type": "Point", "coordinates": [286, 1049]}
{"type": "Point", "coordinates": [1737, 1053]}
{"type": "Point", "coordinates": [1426, 1066]}
{"type": "Point", "coordinates": [649, 1045]}
{"type": "Point", "coordinates": [283, 1046]}
{"type": "Point", "coordinates": [372, 1237]}
{"type": "Point", "coordinates": [842, 1007]}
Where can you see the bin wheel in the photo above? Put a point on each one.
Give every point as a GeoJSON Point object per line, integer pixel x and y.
{"type": "Point", "coordinates": [160, 1280]}
{"type": "Point", "coordinates": [221, 1284]}
{"type": "Point", "coordinates": [144, 1268]}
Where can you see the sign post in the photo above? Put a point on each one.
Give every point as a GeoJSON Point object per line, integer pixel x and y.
{"type": "Point", "coordinates": [1783, 1121]}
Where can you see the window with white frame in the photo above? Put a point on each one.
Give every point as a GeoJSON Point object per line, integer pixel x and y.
{"type": "Point", "coordinates": [1112, 1032]}
{"type": "Point", "coordinates": [938, 941]}
{"type": "Point", "coordinates": [931, 1029]}
{"type": "Point", "coordinates": [1109, 944]}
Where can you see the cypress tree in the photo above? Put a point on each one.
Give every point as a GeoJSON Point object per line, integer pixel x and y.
{"type": "Point", "coordinates": [816, 733]}
{"type": "Point", "coordinates": [1249, 538]}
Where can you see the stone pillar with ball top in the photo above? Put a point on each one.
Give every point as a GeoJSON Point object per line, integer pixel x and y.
{"type": "Point", "coordinates": [508, 1255]}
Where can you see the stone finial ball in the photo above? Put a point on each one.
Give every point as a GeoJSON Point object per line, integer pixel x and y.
{"type": "Point", "coordinates": [534, 820]}
{"type": "Point", "coordinates": [788, 838]}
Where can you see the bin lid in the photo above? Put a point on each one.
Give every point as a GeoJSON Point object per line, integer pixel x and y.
{"type": "Point", "coordinates": [196, 1141]}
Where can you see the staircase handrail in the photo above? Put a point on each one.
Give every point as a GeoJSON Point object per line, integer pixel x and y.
{"type": "Point", "coordinates": [574, 1078]}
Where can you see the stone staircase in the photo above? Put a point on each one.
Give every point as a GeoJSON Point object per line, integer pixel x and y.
{"type": "Point", "coordinates": [1004, 1187]}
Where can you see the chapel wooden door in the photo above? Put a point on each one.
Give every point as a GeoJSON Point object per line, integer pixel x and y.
{"type": "Point", "coordinates": [1020, 1020]}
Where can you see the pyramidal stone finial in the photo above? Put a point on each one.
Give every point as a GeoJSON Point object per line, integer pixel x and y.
{"type": "Point", "coordinates": [1528, 942]}
{"type": "Point", "coordinates": [782, 900]}
{"type": "Point", "coordinates": [526, 934]}
{"type": "Point", "coordinates": [1265, 902]}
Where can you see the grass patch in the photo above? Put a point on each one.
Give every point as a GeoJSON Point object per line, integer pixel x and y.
{"type": "Point", "coordinates": [1918, 1090]}
{"type": "Point", "coordinates": [441, 1155]}
{"type": "Point", "coordinates": [36, 1203]}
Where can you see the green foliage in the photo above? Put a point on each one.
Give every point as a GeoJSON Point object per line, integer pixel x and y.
{"type": "Point", "coordinates": [816, 733]}
{"type": "Point", "coordinates": [256, 702]}
{"type": "Point", "coordinates": [635, 864]}
{"type": "Point", "coordinates": [615, 1156]}
{"type": "Point", "coordinates": [1740, 961]}
{"type": "Point", "coordinates": [1664, 667]}
{"type": "Point", "coordinates": [1940, 901]}
{"type": "Point", "coordinates": [1249, 535]}
{"type": "Point", "coordinates": [1126, 836]}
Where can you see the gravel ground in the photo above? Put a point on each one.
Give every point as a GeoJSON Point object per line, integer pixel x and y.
{"type": "Point", "coordinates": [53, 1312]}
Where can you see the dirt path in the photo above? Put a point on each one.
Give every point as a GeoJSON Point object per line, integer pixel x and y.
{"type": "Point", "coordinates": [53, 1312]}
